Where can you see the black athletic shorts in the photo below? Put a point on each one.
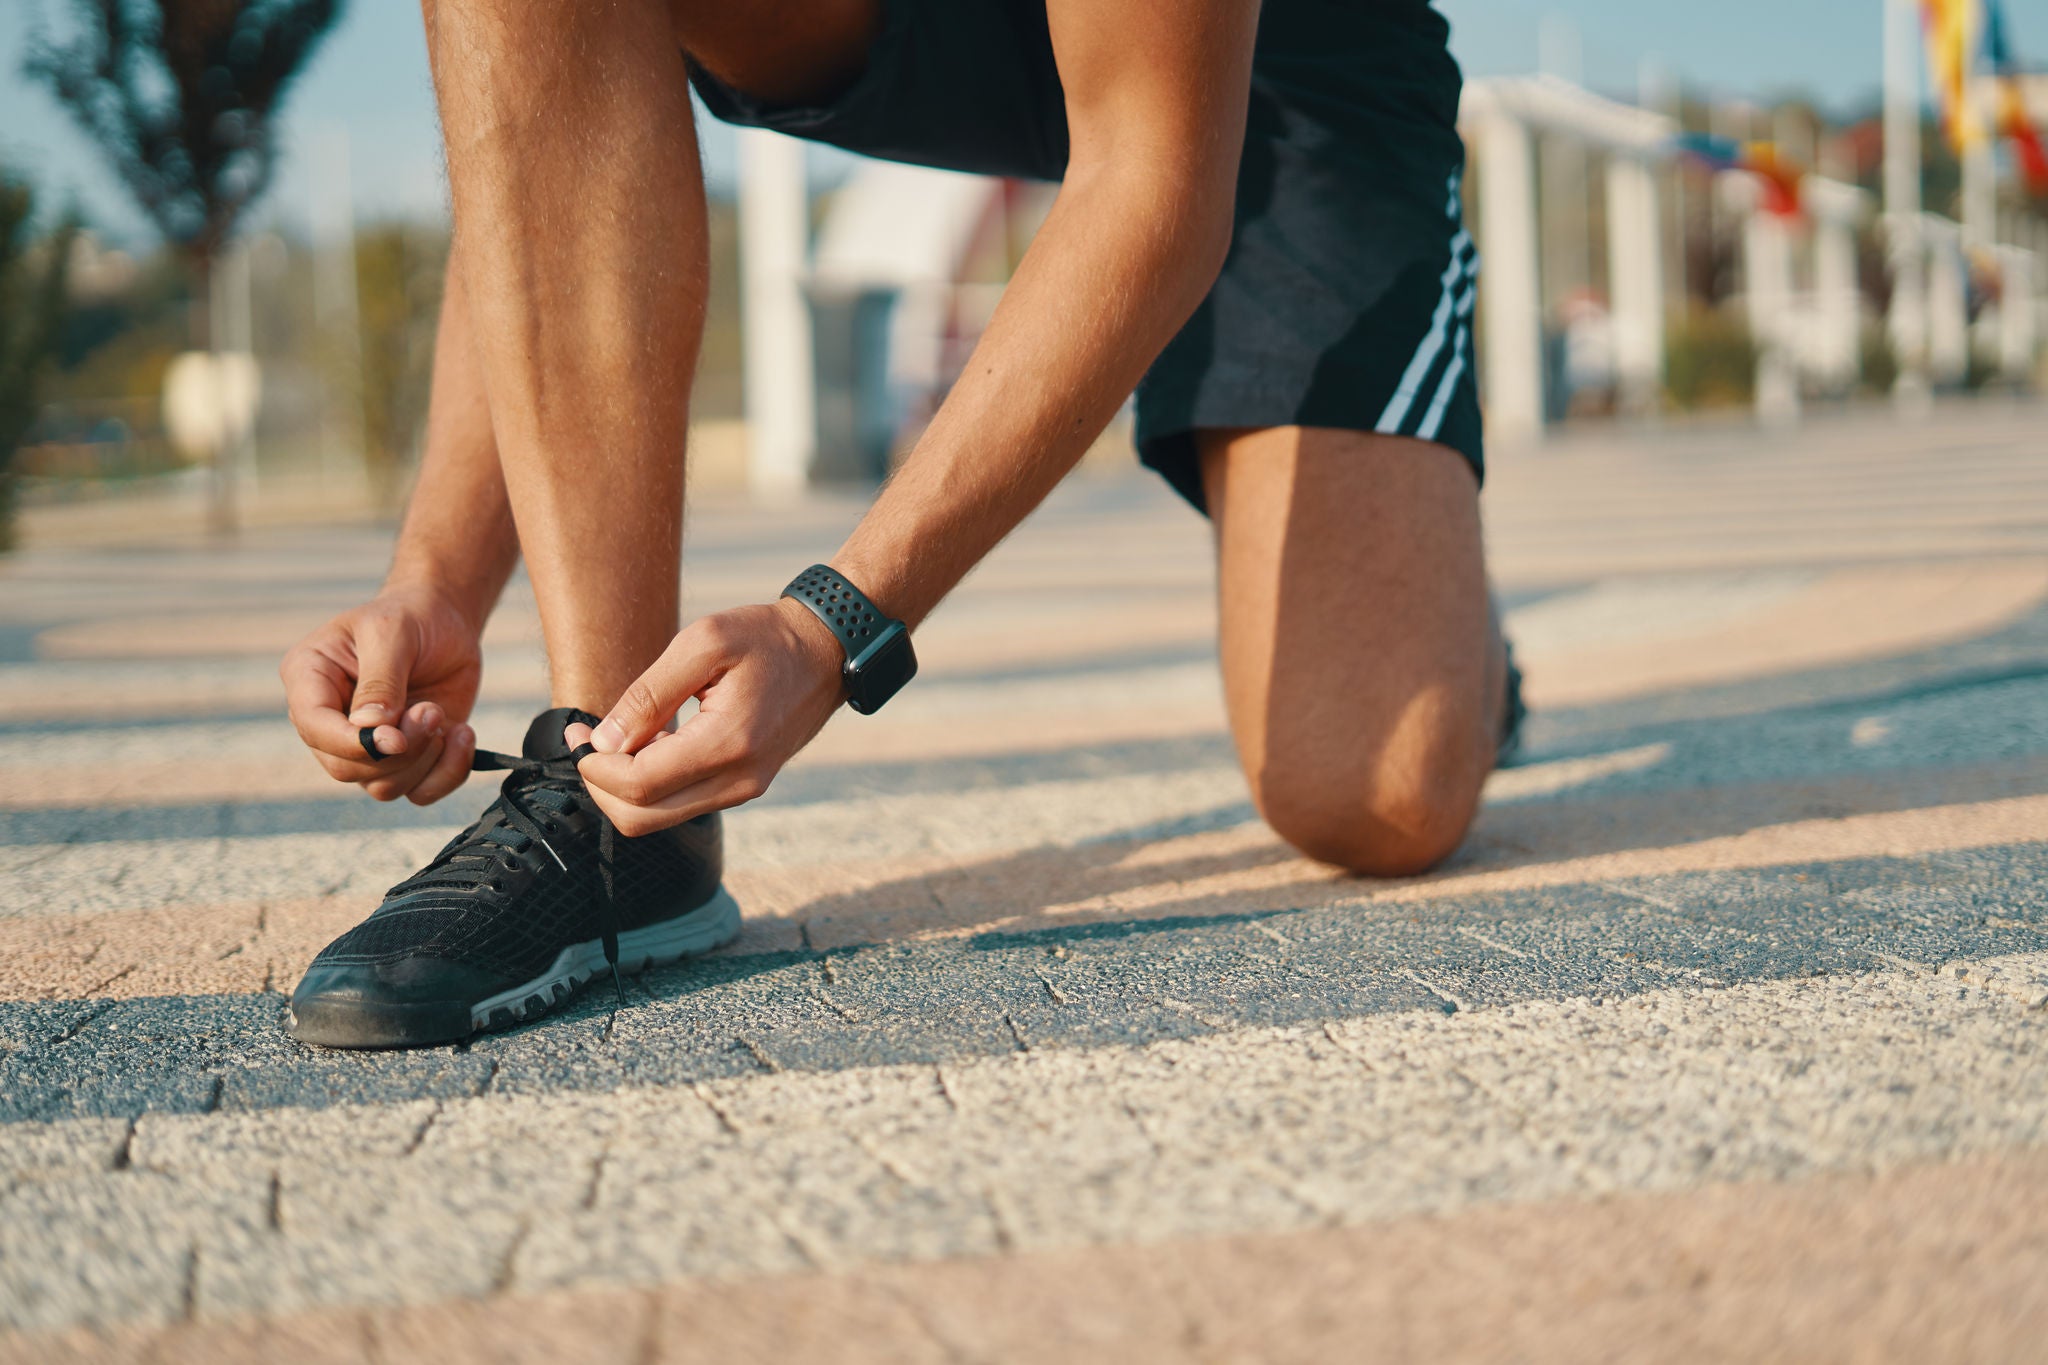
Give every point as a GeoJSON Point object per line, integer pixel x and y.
{"type": "Point", "coordinates": [1346, 299]}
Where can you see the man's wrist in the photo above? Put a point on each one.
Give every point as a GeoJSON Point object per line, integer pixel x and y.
{"type": "Point", "coordinates": [460, 593]}
{"type": "Point", "coordinates": [876, 656]}
{"type": "Point", "coordinates": [819, 644]}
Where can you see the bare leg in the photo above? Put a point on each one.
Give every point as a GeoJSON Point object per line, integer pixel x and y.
{"type": "Point", "coordinates": [458, 535]}
{"type": "Point", "coordinates": [579, 214]}
{"type": "Point", "coordinates": [1361, 663]}
{"type": "Point", "coordinates": [579, 219]}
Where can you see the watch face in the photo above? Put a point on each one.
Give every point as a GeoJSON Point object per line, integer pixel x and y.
{"type": "Point", "coordinates": [881, 670]}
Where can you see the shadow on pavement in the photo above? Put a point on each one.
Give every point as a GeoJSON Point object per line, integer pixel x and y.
{"type": "Point", "coordinates": [1193, 968]}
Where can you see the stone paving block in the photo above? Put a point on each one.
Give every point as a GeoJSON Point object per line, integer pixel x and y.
{"type": "Point", "coordinates": [53, 1151]}
{"type": "Point", "coordinates": [1040, 1150]}
{"type": "Point", "coordinates": [2002, 881]}
{"type": "Point", "coordinates": [1870, 913]}
{"type": "Point", "coordinates": [30, 1024]}
{"type": "Point", "coordinates": [1174, 1195]}
{"type": "Point", "coordinates": [393, 1232]}
{"type": "Point", "coordinates": [220, 949]}
{"type": "Point", "coordinates": [94, 1062]}
{"type": "Point", "coordinates": [1818, 1074]}
{"type": "Point", "coordinates": [196, 1054]}
{"type": "Point", "coordinates": [566, 1128]}
{"type": "Point", "coordinates": [844, 1198]}
{"type": "Point", "coordinates": [662, 1216]}
{"type": "Point", "coordinates": [83, 1346]}
{"type": "Point", "coordinates": [235, 1143]}
{"type": "Point", "coordinates": [847, 1320]}
{"type": "Point", "coordinates": [1054, 993]}
{"type": "Point", "coordinates": [972, 824]}
{"type": "Point", "coordinates": [1934, 730]}
{"type": "Point", "coordinates": [1476, 951]}
{"type": "Point", "coordinates": [1137, 981]}
{"type": "Point", "coordinates": [591, 1329]}
{"type": "Point", "coordinates": [1035, 1307]}
{"type": "Point", "coordinates": [1379, 1123]}
{"type": "Point", "coordinates": [333, 1338]}
{"type": "Point", "coordinates": [867, 1099]}
{"type": "Point", "coordinates": [131, 1246]}
{"type": "Point", "coordinates": [1942, 1261]}
{"type": "Point", "coordinates": [993, 994]}
{"type": "Point", "coordinates": [78, 878]}
{"type": "Point", "coordinates": [1077, 1179]}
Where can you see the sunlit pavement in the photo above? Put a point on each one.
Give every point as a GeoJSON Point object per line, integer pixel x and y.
{"type": "Point", "coordinates": [1723, 1037]}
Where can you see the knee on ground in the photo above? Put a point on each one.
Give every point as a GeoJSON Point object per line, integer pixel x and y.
{"type": "Point", "coordinates": [1377, 820]}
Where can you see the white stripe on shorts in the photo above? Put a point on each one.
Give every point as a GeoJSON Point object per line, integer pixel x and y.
{"type": "Point", "coordinates": [1434, 418]}
{"type": "Point", "coordinates": [1425, 354]}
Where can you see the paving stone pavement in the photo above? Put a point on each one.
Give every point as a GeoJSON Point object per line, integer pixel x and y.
{"type": "Point", "coordinates": [1722, 1038]}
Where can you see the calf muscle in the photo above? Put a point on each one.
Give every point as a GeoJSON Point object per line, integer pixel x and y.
{"type": "Point", "coordinates": [580, 225]}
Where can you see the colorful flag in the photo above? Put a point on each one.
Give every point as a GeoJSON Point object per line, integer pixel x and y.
{"type": "Point", "coordinates": [1952, 49]}
{"type": "Point", "coordinates": [1779, 177]}
{"type": "Point", "coordinates": [2014, 124]}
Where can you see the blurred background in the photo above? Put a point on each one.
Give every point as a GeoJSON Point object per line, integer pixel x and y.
{"type": "Point", "coordinates": [224, 223]}
{"type": "Point", "coordinates": [1719, 1039]}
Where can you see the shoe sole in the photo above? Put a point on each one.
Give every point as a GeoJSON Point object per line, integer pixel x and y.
{"type": "Point", "coordinates": [351, 1024]}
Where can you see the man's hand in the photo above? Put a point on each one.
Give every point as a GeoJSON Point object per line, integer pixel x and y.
{"type": "Point", "coordinates": [767, 678]}
{"type": "Point", "coordinates": [407, 663]}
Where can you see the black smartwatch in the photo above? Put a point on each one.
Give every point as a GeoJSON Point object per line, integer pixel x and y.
{"type": "Point", "coordinates": [879, 659]}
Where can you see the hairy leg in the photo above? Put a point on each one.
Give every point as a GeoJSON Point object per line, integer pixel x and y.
{"type": "Point", "coordinates": [1361, 662]}
{"type": "Point", "coordinates": [580, 224]}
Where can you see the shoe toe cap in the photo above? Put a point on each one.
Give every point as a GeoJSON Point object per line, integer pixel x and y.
{"type": "Point", "coordinates": [406, 1003]}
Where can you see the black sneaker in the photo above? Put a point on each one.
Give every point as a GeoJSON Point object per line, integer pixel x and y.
{"type": "Point", "coordinates": [1509, 751]}
{"type": "Point", "coordinates": [517, 913]}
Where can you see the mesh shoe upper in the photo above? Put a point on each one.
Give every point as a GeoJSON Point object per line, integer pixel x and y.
{"type": "Point", "coordinates": [509, 892]}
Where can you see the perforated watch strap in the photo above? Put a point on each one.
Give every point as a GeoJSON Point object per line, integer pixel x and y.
{"type": "Point", "coordinates": [841, 606]}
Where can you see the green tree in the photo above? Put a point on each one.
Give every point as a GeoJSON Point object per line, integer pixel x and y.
{"type": "Point", "coordinates": [32, 280]}
{"type": "Point", "coordinates": [183, 96]}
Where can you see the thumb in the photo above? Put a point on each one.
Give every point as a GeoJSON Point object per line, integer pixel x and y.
{"type": "Point", "coordinates": [651, 701]}
{"type": "Point", "coordinates": [385, 648]}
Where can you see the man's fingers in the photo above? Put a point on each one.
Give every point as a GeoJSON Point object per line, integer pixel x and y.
{"type": "Point", "coordinates": [316, 690]}
{"type": "Point", "coordinates": [408, 763]}
{"type": "Point", "coordinates": [385, 649]}
{"type": "Point", "coordinates": [719, 792]}
{"type": "Point", "coordinates": [660, 775]}
{"type": "Point", "coordinates": [672, 761]}
{"type": "Point", "coordinates": [388, 740]}
{"type": "Point", "coordinates": [689, 665]}
{"type": "Point", "coordinates": [450, 771]}
{"type": "Point", "coordinates": [400, 781]}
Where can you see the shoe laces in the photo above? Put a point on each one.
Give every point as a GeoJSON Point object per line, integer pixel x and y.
{"type": "Point", "coordinates": [533, 821]}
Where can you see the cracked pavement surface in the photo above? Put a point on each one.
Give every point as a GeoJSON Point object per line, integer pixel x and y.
{"type": "Point", "coordinates": [1723, 1037]}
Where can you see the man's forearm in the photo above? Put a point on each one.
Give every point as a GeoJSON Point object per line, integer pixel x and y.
{"type": "Point", "coordinates": [1117, 268]}
{"type": "Point", "coordinates": [458, 541]}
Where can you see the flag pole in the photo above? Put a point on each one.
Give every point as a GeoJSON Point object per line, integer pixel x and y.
{"type": "Point", "coordinates": [1907, 316]}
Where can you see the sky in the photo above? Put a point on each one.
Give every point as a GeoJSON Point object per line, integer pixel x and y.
{"type": "Point", "coordinates": [367, 88]}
